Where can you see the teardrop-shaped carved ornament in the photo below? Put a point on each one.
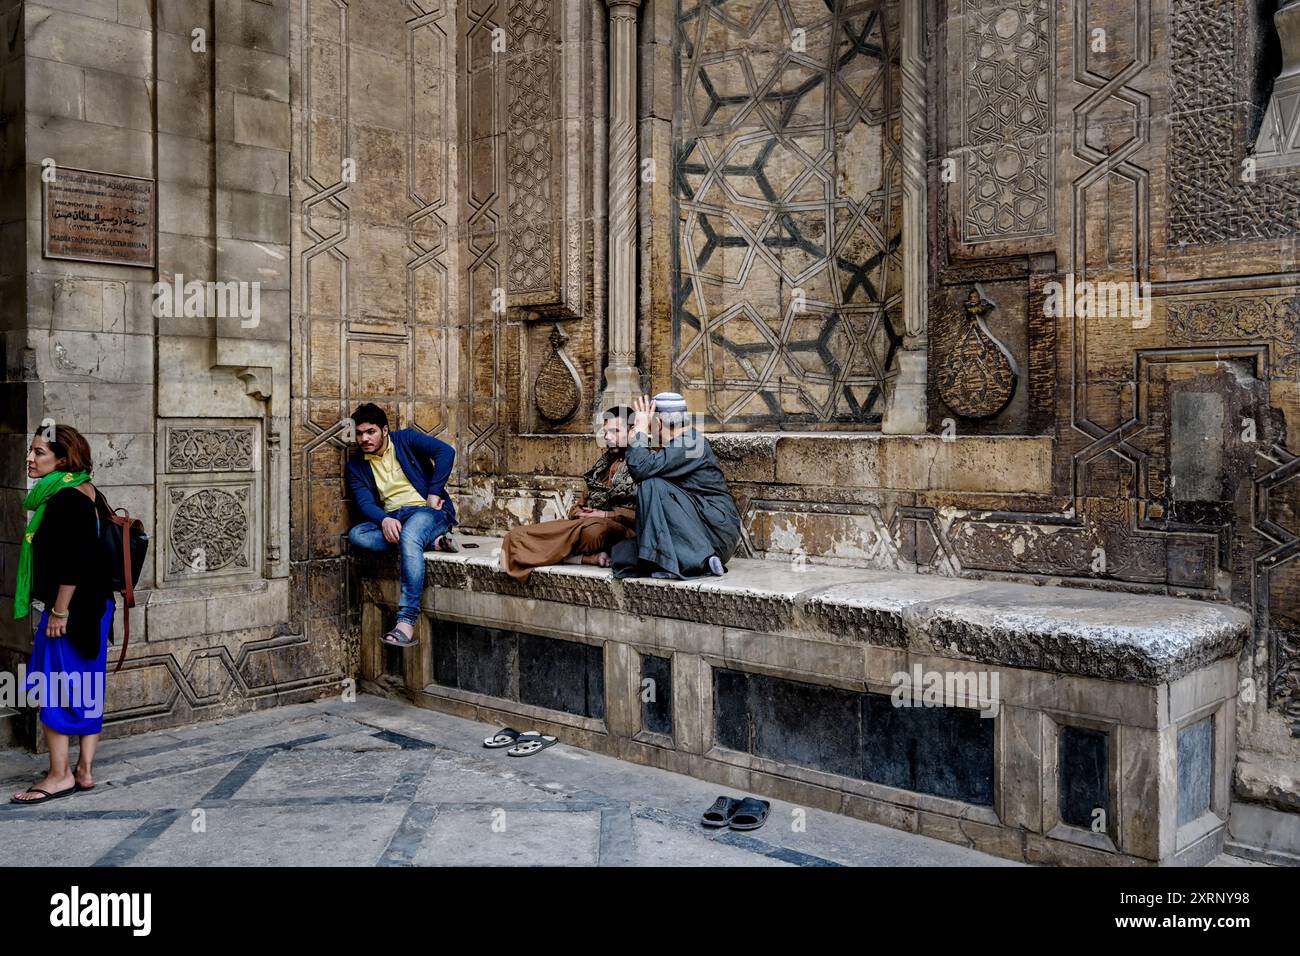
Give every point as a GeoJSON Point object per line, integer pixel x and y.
{"type": "Point", "coordinates": [557, 390]}
{"type": "Point", "coordinates": [977, 375]}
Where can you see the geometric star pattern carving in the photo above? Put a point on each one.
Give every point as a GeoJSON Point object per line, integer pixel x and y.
{"type": "Point", "coordinates": [788, 189]}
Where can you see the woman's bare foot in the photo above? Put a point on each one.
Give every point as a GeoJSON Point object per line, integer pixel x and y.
{"type": "Point", "coordinates": [600, 560]}
{"type": "Point", "coordinates": [85, 779]}
{"type": "Point", "coordinates": [51, 784]}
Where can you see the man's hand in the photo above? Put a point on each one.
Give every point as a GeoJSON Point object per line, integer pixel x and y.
{"type": "Point", "coordinates": [435, 502]}
{"type": "Point", "coordinates": [643, 409]}
{"type": "Point", "coordinates": [392, 530]}
{"type": "Point", "coordinates": [592, 513]}
{"type": "Point", "coordinates": [56, 626]}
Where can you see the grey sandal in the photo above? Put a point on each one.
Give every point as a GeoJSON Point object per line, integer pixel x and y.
{"type": "Point", "coordinates": [531, 743]}
{"type": "Point", "coordinates": [399, 639]}
{"type": "Point", "coordinates": [505, 737]}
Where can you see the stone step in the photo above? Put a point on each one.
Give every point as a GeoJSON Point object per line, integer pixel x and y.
{"type": "Point", "coordinates": [1041, 723]}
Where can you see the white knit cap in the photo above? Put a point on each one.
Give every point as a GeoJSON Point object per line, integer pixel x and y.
{"type": "Point", "coordinates": [670, 403]}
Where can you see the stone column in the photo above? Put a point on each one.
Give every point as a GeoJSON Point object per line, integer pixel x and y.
{"type": "Point", "coordinates": [622, 379]}
{"type": "Point", "coordinates": [906, 412]}
{"type": "Point", "coordinates": [1277, 146]}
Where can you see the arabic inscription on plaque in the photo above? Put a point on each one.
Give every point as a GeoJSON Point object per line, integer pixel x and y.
{"type": "Point", "coordinates": [100, 217]}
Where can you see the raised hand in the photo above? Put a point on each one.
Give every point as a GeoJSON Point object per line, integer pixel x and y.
{"type": "Point", "coordinates": [643, 412]}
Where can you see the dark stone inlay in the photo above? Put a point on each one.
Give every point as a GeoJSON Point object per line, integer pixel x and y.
{"type": "Point", "coordinates": [242, 772]}
{"type": "Point", "coordinates": [1195, 770]}
{"type": "Point", "coordinates": [1083, 776]}
{"type": "Point", "coordinates": [139, 839]}
{"type": "Point", "coordinates": [657, 695]}
{"type": "Point", "coordinates": [944, 751]}
{"type": "Point", "coordinates": [406, 840]}
{"type": "Point", "coordinates": [402, 740]}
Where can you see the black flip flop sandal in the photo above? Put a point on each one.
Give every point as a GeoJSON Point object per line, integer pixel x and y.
{"type": "Point", "coordinates": [398, 639]}
{"type": "Point", "coordinates": [445, 543]}
{"type": "Point", "coordinates": [531, 743]}
{"type": "Point", "coordinates": [751, 814]}
{"type": "Point", "coordinates": [80, 789]}
{"type": "Point", "coordinates": [721, 813]}
{"type": "Point", "coordinates": [505, 737]}
{"type": "Point", "coordinates": [45, 799]}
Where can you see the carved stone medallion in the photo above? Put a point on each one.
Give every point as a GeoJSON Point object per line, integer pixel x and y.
{"type": "Point", "coordinates": [557, 390]}
{"type": "Point", "coordinates": [976, 374]}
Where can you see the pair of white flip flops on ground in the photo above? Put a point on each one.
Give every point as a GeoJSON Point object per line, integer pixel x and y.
{"type": "Point", "coordinates": [521, 744]}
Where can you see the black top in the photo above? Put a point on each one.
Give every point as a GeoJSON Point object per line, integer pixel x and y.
{"type": "Point", "coordinates": [67, 550]}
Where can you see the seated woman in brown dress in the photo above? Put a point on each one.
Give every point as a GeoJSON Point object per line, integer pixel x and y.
{"type": "Point", "coordinates": [603, 516]}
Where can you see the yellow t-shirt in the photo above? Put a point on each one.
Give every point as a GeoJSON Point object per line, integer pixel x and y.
{"type": "Point", "coordinates": [395, 489]}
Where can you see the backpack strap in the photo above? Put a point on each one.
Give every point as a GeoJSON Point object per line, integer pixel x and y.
{"type": "Point", "coordinates": [125, 521]}
{"type": "Point", "coordinates": [128, 592]}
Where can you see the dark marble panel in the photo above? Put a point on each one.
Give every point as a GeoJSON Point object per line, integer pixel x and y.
{"type": "Point", "coordinates": [1195, 769]}
{"type": "Point", "coordinates": [806, 724]}
{"type": "Point", "coordinates": [657, 696]}
{"type": "Point", "coordinates": [485, 660]}
{"type": "Point", "coordinates": [731, 709]}
{"type": "Point", "coordinates": [944, 751]}
{"type": "Point", "coordinates": [444, 653]}
{"type": "Point", "coordinates": [1083, 775]}
{"type": "Point", "coordinates": [561, 675]}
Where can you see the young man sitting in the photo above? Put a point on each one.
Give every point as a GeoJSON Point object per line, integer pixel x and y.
{"type": "Point", "coordinates": [399, 483]}
{"type": "Point", "coordinates": [687, 523]}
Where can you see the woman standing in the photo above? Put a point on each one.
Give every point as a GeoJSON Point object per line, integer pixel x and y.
{"type": "Point", "coordinates": [604, 516]}
{"type": "Point", "coordinates": [64, 566]}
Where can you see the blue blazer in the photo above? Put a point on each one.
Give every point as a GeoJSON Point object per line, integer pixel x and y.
{"type": "Point", "coordinates": [424, 460]}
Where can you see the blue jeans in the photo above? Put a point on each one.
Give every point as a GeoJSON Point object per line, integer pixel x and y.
{"type": "Point", "coordinates": [421, 527]}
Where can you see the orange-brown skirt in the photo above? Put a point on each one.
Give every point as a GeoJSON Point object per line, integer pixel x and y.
{"type": "Point", "coordinates": [550, 542]}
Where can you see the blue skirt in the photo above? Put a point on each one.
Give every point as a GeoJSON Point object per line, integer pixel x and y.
{"type": "Point", "coordinates": [71, 687]}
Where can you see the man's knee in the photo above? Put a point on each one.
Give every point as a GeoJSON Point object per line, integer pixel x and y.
{"type": "Point", "coordinates": [654, 486]}
{"type": "Point", "coordinates": [591, 539]}
{"type": "Point", "coordinates": [423, 526]}
{"type": "Point", "coordinates": [363, 536]}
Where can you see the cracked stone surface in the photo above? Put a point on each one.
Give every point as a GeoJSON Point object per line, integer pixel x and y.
{"type": "Point", "coordinates": [382, 783]}
{"type": "Point", "coordinates": [1137, 638]}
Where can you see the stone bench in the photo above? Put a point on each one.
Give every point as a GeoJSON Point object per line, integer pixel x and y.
{"type": "Point", "coordinates": [1049, 724]}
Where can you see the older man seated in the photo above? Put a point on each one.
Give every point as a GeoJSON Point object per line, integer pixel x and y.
{"type": "Point", "coordinates": [687, 523]}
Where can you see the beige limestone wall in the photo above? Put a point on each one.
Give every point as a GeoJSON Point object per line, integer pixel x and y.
{"type": "Point", "coordinates": [186, 414]}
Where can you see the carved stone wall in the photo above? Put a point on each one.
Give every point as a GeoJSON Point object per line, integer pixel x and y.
{"type": "Point", "coordinates": [1174, 423]}
{"type": "Point", "coordinates": [787, 183]}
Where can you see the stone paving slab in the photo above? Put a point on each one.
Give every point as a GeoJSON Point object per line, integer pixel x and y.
{"type": "Point", "coordinates": [314, 794]}
{"type": "Point", "coordinates": [1141, 638]}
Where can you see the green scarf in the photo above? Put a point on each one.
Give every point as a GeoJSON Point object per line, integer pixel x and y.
{"type": "Point", "coordinates": [35, 502]}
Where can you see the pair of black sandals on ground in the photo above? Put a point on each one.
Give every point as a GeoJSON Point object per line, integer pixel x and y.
{"type": "Point", "coordinates": [521, 744]}
{"type": "Point", "coordinates": [748, 813]}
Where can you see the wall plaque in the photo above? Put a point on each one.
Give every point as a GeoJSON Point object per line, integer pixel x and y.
{"type": "Point", "coordinates": [100, 217]}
